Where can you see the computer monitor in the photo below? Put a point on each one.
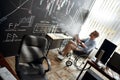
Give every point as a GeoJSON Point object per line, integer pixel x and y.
{"type": "Point", "coordinates": [108, 48]}
{"type": "Point", "coordinates": [114, 62]}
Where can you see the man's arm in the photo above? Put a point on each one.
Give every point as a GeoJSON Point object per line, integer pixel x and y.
{"type": "Point", "coordinates": [83, 45]}
{"type": "Point", "coordinates": [77, 39]}
{"type": "Point", "coordinates": [82, 42]}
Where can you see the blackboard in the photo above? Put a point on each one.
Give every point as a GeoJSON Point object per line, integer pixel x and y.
{"type": "Point", "coordinates": [37, 17]}
{"type": "Point", "coordinates": [19, 18]}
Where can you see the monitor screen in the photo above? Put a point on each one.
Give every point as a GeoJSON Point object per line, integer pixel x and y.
{"type": "Point", "coordinates": [108, 48]}
{"type": "Point", "coordinates": [114, 62]}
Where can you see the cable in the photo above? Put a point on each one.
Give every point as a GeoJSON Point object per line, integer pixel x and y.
{"type": "Point", "coordinates": [5, 17]}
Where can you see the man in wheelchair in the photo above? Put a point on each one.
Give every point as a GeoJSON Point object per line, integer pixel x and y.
{"type": "Point", "coordinates": [82, 45]}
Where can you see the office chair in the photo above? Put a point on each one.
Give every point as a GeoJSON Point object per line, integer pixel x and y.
{"type": "Point", "coordinates": [78, 56]}
{"type": "Point", "coordinates": [29, 61]}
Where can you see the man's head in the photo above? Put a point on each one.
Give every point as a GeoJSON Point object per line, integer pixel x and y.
{"type": "Point", "coordinates": [94, 35]}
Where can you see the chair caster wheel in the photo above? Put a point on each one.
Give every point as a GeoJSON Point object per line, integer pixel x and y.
{"type": "Point", "coordinates": [68, 63]}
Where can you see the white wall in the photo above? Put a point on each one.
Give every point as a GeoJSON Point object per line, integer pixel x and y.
{"type": "Point", "coordinates": [105, 18]}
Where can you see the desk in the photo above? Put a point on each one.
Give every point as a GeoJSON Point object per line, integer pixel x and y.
{"type": "Point", "coordinates": [94, 65]}
{"type": "Point", "coordinates": [58, 36]}
{"type": "Point", "coordinates": [55, 39]}
{"type": "Point", "coordinates": [3, 63]}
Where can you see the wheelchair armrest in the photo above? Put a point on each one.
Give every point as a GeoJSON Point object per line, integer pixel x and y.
{"type": "Point", "coordinates": [84, 55]}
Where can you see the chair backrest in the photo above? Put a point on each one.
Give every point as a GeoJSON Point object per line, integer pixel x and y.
{"type": "Point", "coordinates": [37, 41]}
{"type": "Point", "coordinates": [32, 48]}
{"type": "Point", "coordinates": [29, 62]}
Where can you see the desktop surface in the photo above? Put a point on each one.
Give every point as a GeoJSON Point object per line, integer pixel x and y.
{"type": "Point", "coordinates": [56, 36]}
{"type": "Point", "coordinates": [97, 67]}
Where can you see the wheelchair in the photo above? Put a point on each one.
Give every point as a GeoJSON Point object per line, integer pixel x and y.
{"type": "Point", "coordinates": [77, 58]}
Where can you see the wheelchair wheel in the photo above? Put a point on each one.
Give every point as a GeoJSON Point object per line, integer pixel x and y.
{"type": "Point", "coordinates": [78, 64]}
{"type": "Point", "coordinates": [68, 63]}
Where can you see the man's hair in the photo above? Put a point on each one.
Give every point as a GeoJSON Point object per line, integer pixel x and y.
{"type": "Point", "coordinates": [95, 33]}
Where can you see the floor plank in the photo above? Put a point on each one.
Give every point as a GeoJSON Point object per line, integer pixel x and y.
{"type": "Point", "coordinates": [59, 71]}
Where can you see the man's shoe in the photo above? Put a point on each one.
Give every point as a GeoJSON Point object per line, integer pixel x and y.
{"type": "Point", "coordinates": [59, 52]}
{"type": "Point", "coordinates": [60, 57]}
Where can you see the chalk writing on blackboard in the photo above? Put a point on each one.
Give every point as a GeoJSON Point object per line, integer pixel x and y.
{"type": "Point", "coordinates": [26, 21]}
{"type": "Point", "coordinates": [42, 28]}
{"type": "Point", "coordinates": [12, 37]}
{"type": "Point", "coordinates": [23, 22]}
{"type": "Point", "coordinates": [13, 27]}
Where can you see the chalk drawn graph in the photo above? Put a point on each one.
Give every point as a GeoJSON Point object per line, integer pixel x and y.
{"type": "Point", "coordinates": [26, 21]}
{"type": "Point", "coordinates": [12, 37]}
{"type": "Point", "coordinates": [23, 22]}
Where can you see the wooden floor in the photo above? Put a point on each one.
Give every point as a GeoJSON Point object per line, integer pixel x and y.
{"type": "Point", "coordinates": [59, 71]}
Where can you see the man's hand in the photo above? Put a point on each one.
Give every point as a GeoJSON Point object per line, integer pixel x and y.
{"type": "Point", "coordinates": [79, 41]}
{"type": "Point", "coordinates": [83, 45]}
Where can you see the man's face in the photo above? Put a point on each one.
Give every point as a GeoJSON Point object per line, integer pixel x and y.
{"type": "Point", "coordinates": [92, 35]}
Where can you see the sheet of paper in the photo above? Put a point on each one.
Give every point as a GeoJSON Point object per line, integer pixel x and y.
{"type": "Point", "coordinates": [5, 74]}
